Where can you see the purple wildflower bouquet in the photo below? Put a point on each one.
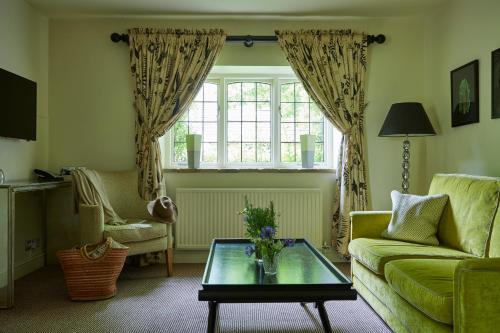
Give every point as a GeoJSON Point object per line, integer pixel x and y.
{"type": "Point", "coordinates": [260, 227]}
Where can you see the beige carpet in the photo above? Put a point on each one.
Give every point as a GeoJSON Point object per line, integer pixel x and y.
{"type": "Point", "coordinates": [149, 302]}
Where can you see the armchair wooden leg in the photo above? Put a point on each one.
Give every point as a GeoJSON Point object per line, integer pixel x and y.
{"type": "Point", "coordinates": [169, 256]}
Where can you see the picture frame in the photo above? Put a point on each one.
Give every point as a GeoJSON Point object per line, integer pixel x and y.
{"type": "Point", "coordinates": [495, 84]}
{"type": "Point", "coordinates": [465, 94]}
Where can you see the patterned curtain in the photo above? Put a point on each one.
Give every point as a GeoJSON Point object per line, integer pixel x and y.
{"type": "Point", "coordinates": [331, 65]}
{"type": "Point", "coordinates": [168, 67]}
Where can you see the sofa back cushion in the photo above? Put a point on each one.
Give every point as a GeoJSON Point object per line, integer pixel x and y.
{"type": "Point", "coordinates": [123, 194]}
{"type": "Point", "coordinates": [468, 216]}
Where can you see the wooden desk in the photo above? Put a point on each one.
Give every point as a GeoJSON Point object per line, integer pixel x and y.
{"type": "Point", "coordinates": [8, 193]}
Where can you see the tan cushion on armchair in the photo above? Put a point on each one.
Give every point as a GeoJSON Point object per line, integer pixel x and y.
{"type": "Point", "coordinates": [136, 231]}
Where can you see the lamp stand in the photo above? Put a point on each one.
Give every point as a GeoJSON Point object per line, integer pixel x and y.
{"type": "Point", "coordinates": [406, 165]}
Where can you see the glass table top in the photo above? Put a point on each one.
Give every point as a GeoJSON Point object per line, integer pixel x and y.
{"type": "Point", "coordinates": [298, 265]}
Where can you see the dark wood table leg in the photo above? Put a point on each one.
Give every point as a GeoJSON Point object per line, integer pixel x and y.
{"type": "Point", "coordinates": [212, 315]}
{"type": "Point", "coordinates": [324, 317]}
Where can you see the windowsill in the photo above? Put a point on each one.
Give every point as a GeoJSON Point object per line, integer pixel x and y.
{"type": "Point", "coordinates": [262, 170]}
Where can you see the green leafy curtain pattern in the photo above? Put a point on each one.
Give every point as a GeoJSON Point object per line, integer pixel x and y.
{"type": "Point", "coordinates": [168, 68]}
{"type": "Point", "coordinates": [331, 64]}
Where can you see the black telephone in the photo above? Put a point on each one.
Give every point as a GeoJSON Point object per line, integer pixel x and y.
{"type": "Point", "coordinates": [47, 175]}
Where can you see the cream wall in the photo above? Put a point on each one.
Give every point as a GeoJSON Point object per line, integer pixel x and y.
{"type": "Point", "coordinates": [24, 50]}
{"type": "Point", "coordinates": [459, 33]}
{"type": "Point", "coordinates": [92, 119]}
{"type": "Point", "coordinates": [24, 38]}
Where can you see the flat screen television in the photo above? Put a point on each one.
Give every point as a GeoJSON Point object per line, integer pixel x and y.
{"type": "Point", "coordinates": [17, 106]}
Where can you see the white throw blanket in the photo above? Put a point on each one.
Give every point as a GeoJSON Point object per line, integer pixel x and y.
{"type": "Point", "coordinates": [88, 189]}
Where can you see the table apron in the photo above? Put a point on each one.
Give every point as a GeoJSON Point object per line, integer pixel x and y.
{"type": "Point", "coordinates": [275, 296]}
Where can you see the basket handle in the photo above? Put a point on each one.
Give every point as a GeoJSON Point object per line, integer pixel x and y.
{"type": "Point", "coordinates": [85, 253]}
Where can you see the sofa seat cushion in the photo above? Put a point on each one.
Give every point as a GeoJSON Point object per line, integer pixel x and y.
{"type": "Point", "coordinates": [375, 253]}
{"type": "Point", "coordinates": [427, 284]}
{"type": "Point", "coordinates": [135, 231]}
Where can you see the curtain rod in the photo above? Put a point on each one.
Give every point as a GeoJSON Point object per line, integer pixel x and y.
{"type": "Point", "coordinates": [249, 40]}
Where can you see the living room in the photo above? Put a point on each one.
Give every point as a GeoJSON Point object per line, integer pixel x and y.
{"type": "Point", "coordinates": [85, 117]}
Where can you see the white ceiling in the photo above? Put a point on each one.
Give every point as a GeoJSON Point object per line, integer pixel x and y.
{"type": "Point", "coordinates": [62, 8]}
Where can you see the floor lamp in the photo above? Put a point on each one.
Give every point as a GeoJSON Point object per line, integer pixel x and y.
{"type": "Point", "coordinates": [406, 119]}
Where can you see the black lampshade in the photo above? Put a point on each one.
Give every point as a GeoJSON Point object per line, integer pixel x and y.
{"type": "Point", "coordinates": [406, 119]}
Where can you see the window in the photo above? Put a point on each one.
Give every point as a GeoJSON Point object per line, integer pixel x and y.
{"type": "Point", "coordinates": [251, 117]}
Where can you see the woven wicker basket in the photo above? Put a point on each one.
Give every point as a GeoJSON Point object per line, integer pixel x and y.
{"type": "Point", "coordinates": [90, 276]}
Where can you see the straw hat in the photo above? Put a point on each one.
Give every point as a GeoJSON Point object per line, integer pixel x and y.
{"type": "Point", "coordinates": [163, 210]}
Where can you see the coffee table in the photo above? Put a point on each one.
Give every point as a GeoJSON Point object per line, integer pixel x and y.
{"type": "Point", "coordinates": [304, 276]}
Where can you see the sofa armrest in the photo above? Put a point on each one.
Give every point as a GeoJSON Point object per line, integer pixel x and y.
{"type": "Point", "coordinates": [91, 223]}
{"type": "Point", "coordinates": [476, 303]}
{"type": "Point", "coordinates": [369, 224]}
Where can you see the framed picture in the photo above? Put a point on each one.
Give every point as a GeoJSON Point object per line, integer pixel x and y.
{"type": "Point", "coordinates": [495, 84]}
{"type": "Point", "coordinates": [465, 94]}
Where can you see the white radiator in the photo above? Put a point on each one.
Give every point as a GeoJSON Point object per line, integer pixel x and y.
{"type": "Point", "coordinates": [205, 214]}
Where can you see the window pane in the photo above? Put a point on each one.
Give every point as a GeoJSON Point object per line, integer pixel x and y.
{"type": "Point", "coordinates": [234, 152]}
{"type": "Point", "coordinates": [287, 92]}
{"type": "Point", "coordinates": [287, 112]}
{"type": "Point", "coordinates": [209, 152]}
{"type": "Point", "coordinates": [263, 132]}
{"type": "Point", "coordinates": [234, 132]}
{"type": "Point", "coordinates": [180, 153]}
{"type": "Point", "coordinates": [302, 112]}
{"type": "Point", "coordinates": [210, 92]}
{"type": "Point", "coordinates": [288, 152]}
{"type": "Point", "coordinates": [234, 92]}
{"type": "Point", "coordinates": [180, 131]}
{"type": "Point", "coordinates": [318, 130]}
{"type": "Point", "coordinates": [248, 152]}
{"type": "Point", "coordinates": [210, 111]}
{"type": "Point", "coordinates": [287, 132]}
{"type": "Point", "coordinates": [319, 153]}
{"type": "Point", "coordinates": [234, 111]}
{"type": "Point", "coordinates": [300, 93]}
{"type": "Point", "coordinates": [248, 132]}
{"type": "Point", "coordinates": [300, 129]}
{"type": "Point", "coordinates": [210, 132]}
{"type": "Point", "coordinates": [263, 92]}
{"type": "Point", "coordinates": [196, 128]}
{"type": "Point", "coordinates": [316, 114]}
{"type": "Point", "coordinates": [249, 111]}
{"type": "Point", "coordinates": [298, 153]}
{"type": "Point", "coordinates": [195, 111]}
{"type": "Point", "coordinates": [263, 152]}
{"type": "Point", "coordinates": [249, 91]}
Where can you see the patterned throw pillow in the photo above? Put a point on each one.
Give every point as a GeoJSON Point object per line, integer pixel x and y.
{"type": "Point", "coordinates": [415, 218]}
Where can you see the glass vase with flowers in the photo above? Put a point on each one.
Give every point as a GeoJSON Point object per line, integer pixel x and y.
{"type": "Point", "coordinates": [254, 219]}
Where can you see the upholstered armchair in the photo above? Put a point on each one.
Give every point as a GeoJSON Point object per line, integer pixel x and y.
{"type": "Point", "coordinates": [140, 234]}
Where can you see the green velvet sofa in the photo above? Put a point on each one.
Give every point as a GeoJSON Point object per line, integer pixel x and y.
{"type": "Point", "coordinates": [453, 287]}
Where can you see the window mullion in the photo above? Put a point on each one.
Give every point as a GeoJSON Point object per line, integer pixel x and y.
{"type": "Point", "coordinates": [275, 125]}
{"type": "Point", "coordinates": [221, 124]}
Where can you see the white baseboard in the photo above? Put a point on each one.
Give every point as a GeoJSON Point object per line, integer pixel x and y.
{"type": "Point", "coordinates": [30, 265]}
